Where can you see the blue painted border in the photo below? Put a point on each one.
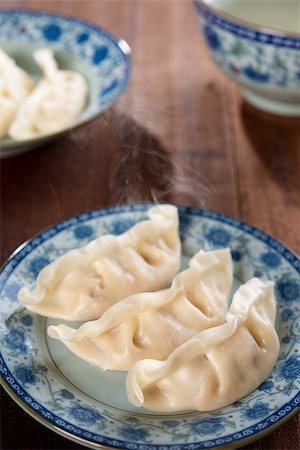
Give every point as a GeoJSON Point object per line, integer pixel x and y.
{"type": "Point", "coordinates": [114, 39]}
{"type": "Point", "coordinates": [246, 32]}
{"type": "Point", "coordinates": [76, 431]}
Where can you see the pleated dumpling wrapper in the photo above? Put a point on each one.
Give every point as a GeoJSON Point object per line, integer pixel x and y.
{"type": "Point", "coordinates": [15, 85]}
{"type": "Point", "coordinates": [83, 283]}
{"type": "Point", "coordinates": [53, 104]}
{"type": "Point", "coordinates": [153, 324]}
{"type": "Point", "coordinates": [218, 366]}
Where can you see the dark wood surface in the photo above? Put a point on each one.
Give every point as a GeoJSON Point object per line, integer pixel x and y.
{"type": "Point", "coordinates": [180, 133]}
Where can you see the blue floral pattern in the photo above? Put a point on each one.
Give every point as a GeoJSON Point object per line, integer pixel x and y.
{"type": "Point", "coordinates": [82, 37]}
{"type": "Point", "coordinates": [83, 232]}
{"type": "Point", "coordinates": [27, 320]}
{"type": "Point", "coordinates": [288, 289]}
{"type": "Point", "coordinates": [25, 374]}
{"type": "Point", "coordinates": [267, 385]}
{"type": "Point", "coordinates": [212, 37]}
{"type": "Point", "coordinates": [271, 259]}
{"type": "Point", "coordinates": [134, 434]}
{"type": "Point", "coordinates": [14, 339]}
{"type": "Point", "coordinates": [218, 236]}
{"type": "Point", "coordinates": [11, 291]}
{"type": "Point", "coordinates": [84, 414]}
{"type": "Point", "coordinates": [290, 369]}
{"type": "Point", "coordinates": [258, 411]}
{"type": "Point", "coordinates": [204, 427]}
{"type": "Point", "coordinates": [236, 255]}
{"type": "Point", "coordinates": [66, 394]}
{"type": "Point", "coordinates": [100, 54]}
{"type": "Point", "coordinates": [286, 314]}
{"type": "Point", "coordinates": [26, 370]}
{"type": "Point", "coordinates": [255, 74]}
{"type": "Point", "coordinates": [52, 32]}
{"type": "Point", "coordinates": [120, 226]}
{"type": "Point", "coordinates": [37, 264]}
{"type": "Point", "coordinates": [170, 423]}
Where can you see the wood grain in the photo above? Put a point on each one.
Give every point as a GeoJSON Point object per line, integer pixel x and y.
{"type": "Point", "coordinates": [180, 133]}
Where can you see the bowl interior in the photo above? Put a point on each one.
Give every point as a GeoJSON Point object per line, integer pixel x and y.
{"type": "Point", "coordinates": [280, 15]}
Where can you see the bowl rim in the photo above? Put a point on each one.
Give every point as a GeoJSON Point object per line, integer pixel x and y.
{"type": "Point", "coordinates": [121, 43]}
{"type": "Point", "coordinates": [277, 32]}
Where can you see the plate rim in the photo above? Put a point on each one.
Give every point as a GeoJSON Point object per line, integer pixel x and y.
{"type": "Point", "coordinates": [142, 207]}
{"type": "Point", "coordinates": [94, 445]}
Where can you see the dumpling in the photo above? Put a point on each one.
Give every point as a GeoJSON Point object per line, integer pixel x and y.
{"type": "Point", "coordinates": [57, 99]}
{"type": "Point", "coordinates": [15, 85]}
{"type": "Point", "coordinates": [84, 282]}
{"type": "Point", "coordinates": [153, 324]}
{"type": "Point", "coordinates": [217, 366]}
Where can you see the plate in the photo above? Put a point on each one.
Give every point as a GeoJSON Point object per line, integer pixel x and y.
{"type": "Point", "coordinates": [89, 406]}
{"type": "Point", "coordinates": [78, 45]}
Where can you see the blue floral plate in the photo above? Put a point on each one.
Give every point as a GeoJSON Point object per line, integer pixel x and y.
{"type": "Point", "coordinates": [89, 406]}
{"type": "Point", "coordinates": [78, 45]}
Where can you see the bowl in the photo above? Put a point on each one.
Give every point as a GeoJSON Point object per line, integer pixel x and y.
{"type": "Point", "coordinates": [257, 44]}
{"type": "Point", "coordinates": [101, 58]}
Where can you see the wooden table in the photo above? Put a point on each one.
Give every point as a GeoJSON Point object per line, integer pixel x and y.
{"type": "Point", "coordinates": [181, 133]}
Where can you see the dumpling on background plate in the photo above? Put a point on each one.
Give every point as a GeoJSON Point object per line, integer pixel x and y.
{"type": "Point", "coordinates": [218, 366]}
{"type": "Point", "coordinates": [15, 85]}
{"type": "Point", "coordinates": [53, 104]}
{"type": "Point", "coordinates": [153, 324]}
{"type": "Point", "coordinates": [84, 282]}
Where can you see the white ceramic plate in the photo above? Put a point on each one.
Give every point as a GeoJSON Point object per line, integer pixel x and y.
{"type": "Point", "coordinates": [77, 45]}
{"type": "Point", "coordinates": [89, 406]}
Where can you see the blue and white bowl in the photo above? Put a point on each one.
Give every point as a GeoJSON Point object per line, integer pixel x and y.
{"type": "Point", "coordinates": [101, 58]}
{"type": "Point", "coordinates": [263, 60]}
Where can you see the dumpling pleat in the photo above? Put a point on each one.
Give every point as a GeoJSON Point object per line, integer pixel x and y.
{"type": "Point", "coordinates": [217, 366]}
{"type": "Point", "coordinates": [161, 321]}
{"type": "Point", "coordinates": [84, 282]}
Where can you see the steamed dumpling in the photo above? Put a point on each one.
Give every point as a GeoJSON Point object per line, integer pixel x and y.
{"type": "Point", "coordinates": [84, 282]}
{"type": "Point", "coordinates": [151, 325]}
{"type": "Point", "coordinates": [57, 99]}
{"type": "Point", "coordinates": [15, 85]}
{"type": "Point", "coordinates": [217, 366]}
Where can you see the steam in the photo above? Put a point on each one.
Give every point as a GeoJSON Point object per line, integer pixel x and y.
{"type": "Point", "coordinates": [143, 170]}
